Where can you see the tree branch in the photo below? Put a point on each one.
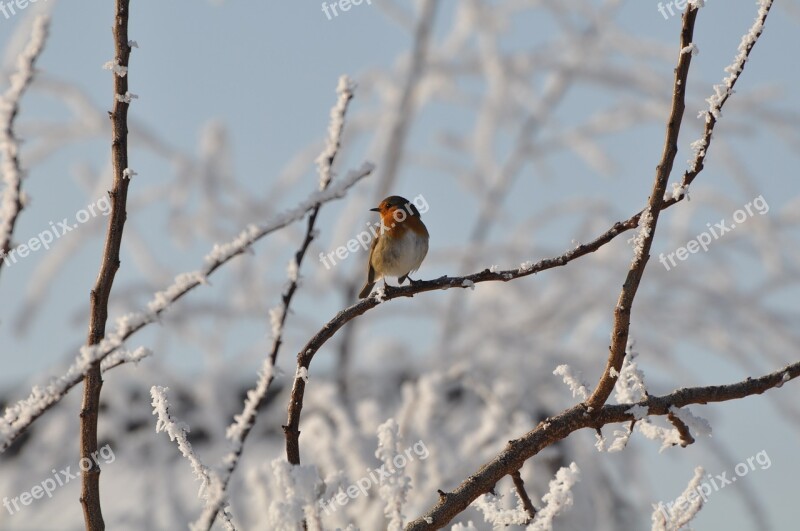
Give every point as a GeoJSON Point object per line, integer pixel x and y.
{"type": "Point", "coordinates": [12, 201]}
{"type": "Point", "coordinates": [559, 427]}
{"type": "Point", "coordinates": [648, 222]}
{"type": "Point", "coordinates": [93, 380]}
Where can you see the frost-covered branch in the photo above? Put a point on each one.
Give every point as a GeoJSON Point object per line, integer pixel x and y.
{"type": "Point", "coordinates": [243, 422]}
{"type": "Point", "coordinates": [723, 91]}
{"type": "Point", "coordinates": [394, 489]}
{"type": "Point", "coordinates": [558, 427]}
{"type": "Point", "coordinates": [19, 416]}
{"type": "Point", "coordinates": [12, 201]}
{"type": "Point", "coordinates": [558, 498]}
{"type": "Point", "coordinates": [210, 484]}
{"type": "Point", "coordinates": [676, 518]}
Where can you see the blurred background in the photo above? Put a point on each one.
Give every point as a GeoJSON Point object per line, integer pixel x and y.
{"type": "Point", "coordinates": [528, 126]}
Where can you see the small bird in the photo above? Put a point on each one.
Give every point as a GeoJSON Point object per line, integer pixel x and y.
{"type": "Point", "coordinates": [400, 246]}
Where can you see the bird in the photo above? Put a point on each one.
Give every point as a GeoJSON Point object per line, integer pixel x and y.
{"type": "Point", "coordinates": [400, 246]}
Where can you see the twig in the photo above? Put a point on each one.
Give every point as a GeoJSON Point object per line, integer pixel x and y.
{"type": "Point", "coordinates": [683, 430]}
{"type": "Point", "coordinates": [19, 416]}
{"type": "Point", "coordinates": [523, 495]}
{"type": "Point", "coordinates": [12, 202]}
{"type": "Point", "coordinates": [559, 427]}
{"type": "Point", "coordinates": [93, 380]}
{"type": "Point", "coordinates": [178, 432]}
{"type": "Point", "coordinates": [648, 222]}
{"type": "Point", "coordinates": [240, 429]}
{"type": "Point", "coordinates": [723, 91]}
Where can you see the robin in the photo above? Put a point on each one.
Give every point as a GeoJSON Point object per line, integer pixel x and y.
{"type": "Point", "coordinates": [400, 246]}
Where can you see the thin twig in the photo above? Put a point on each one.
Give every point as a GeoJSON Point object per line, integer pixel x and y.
{"type": "Point", "coordinates": [245, 421]}
{"type": "Point", "coordinates": [523, 495]}
{"type": "Point", "coordinates": [559, 427]}
{"type": "Point", "coordinates": [12, 202]}
{"type": "Point", "coordinates": [683, 430]}
{"type": "Point", "coordinates": [93, 380]}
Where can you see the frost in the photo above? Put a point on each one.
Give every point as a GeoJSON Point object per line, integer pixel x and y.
{"type": "Point", "coordinates": [497, 515]}
{"type": "Point", "coordinates": [640, 238]}
{"type": "Point", "coordinates": [468, 284]}
{"type": "Point", "coordinates": [325, 159]}
{"type": "Point", "coordinates": [639, 412]}
{"type": "Point", "coordinates": [691, 48]}
{"type": "Point", "coordinates": [393, 489]}
{"type": "Point", "coordinates": [127, 97]}
{"type": "Point", "coordinates": [302, 373]}
{"type": "Point", "coordinates": [574, 382]}
{"type": "Point", "coordinates": [674, 518]}
{"type": "Point", "coordinates": [697, 425]}
{"type": "Point", "coordinates": [118, 69]}
{"type": "Point", "coordinates": [557, 499]}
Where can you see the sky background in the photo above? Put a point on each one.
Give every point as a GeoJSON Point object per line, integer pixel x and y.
{"type": "Point", "coordinates": [268, 71]}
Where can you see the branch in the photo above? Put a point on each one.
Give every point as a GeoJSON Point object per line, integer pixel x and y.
{"type": "Point", "coordinates": [723, 91]}
{"type": "Point", "coordinates": [523, 495]}
{"type": "Point", "coordinates": [648, 222]}
{"type": "Point", "coordinates": [93, 380]}
{"type": "Point", "coordinates": [19, 416]}
{"type": "Point", "coordinates": [243, 423]}
{"type": "Point", "coordinates": [12, 201]}
{"type": "Point", "coordinates": [576, 418]}
{"type": "Point", "coordinates": [178, 432]}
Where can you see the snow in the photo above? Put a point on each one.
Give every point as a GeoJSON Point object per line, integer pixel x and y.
{"type": "Point", "coordinates": [118, 69]}
{"type": "Point", "coordinates": [498, 516]}
{"type": "Point", "coordinates": [127, 97]}
{"type": "Point", "coordinates": [677, 518]}
{"type": "Point", "coordinates": [640, 238]}
{"type": "Point", "coordinates": [691, 48]}
{"type": "Point", "coordinates": [12, 174]}
{"type": "Point", "coordinates": [630, 387]}
{"type": "Point", "coordinates": [639, 412]}
{"type": "Point", "coordinates": [697, 425]}
{"type": "Point", "coordinates": [394, 489]}
{"type": "Point", "coordinates": [558, 498]}
{"type": "Point", "coordinates": [177, 432]}
{"type": "Point", "coordinates": [345, 90]}
{"type": "Point", "coordinates": [574, 381]}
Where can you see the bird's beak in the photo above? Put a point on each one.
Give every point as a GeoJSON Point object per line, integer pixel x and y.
{"type": "Point", "coordinates": [376, 209]}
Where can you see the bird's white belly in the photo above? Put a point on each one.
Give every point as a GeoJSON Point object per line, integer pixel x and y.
{"type": "Point", "coordinates": [406, 256]}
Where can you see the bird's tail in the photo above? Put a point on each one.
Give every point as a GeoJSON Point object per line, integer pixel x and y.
{"type": "Point", "coordinates": [366, 290]}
